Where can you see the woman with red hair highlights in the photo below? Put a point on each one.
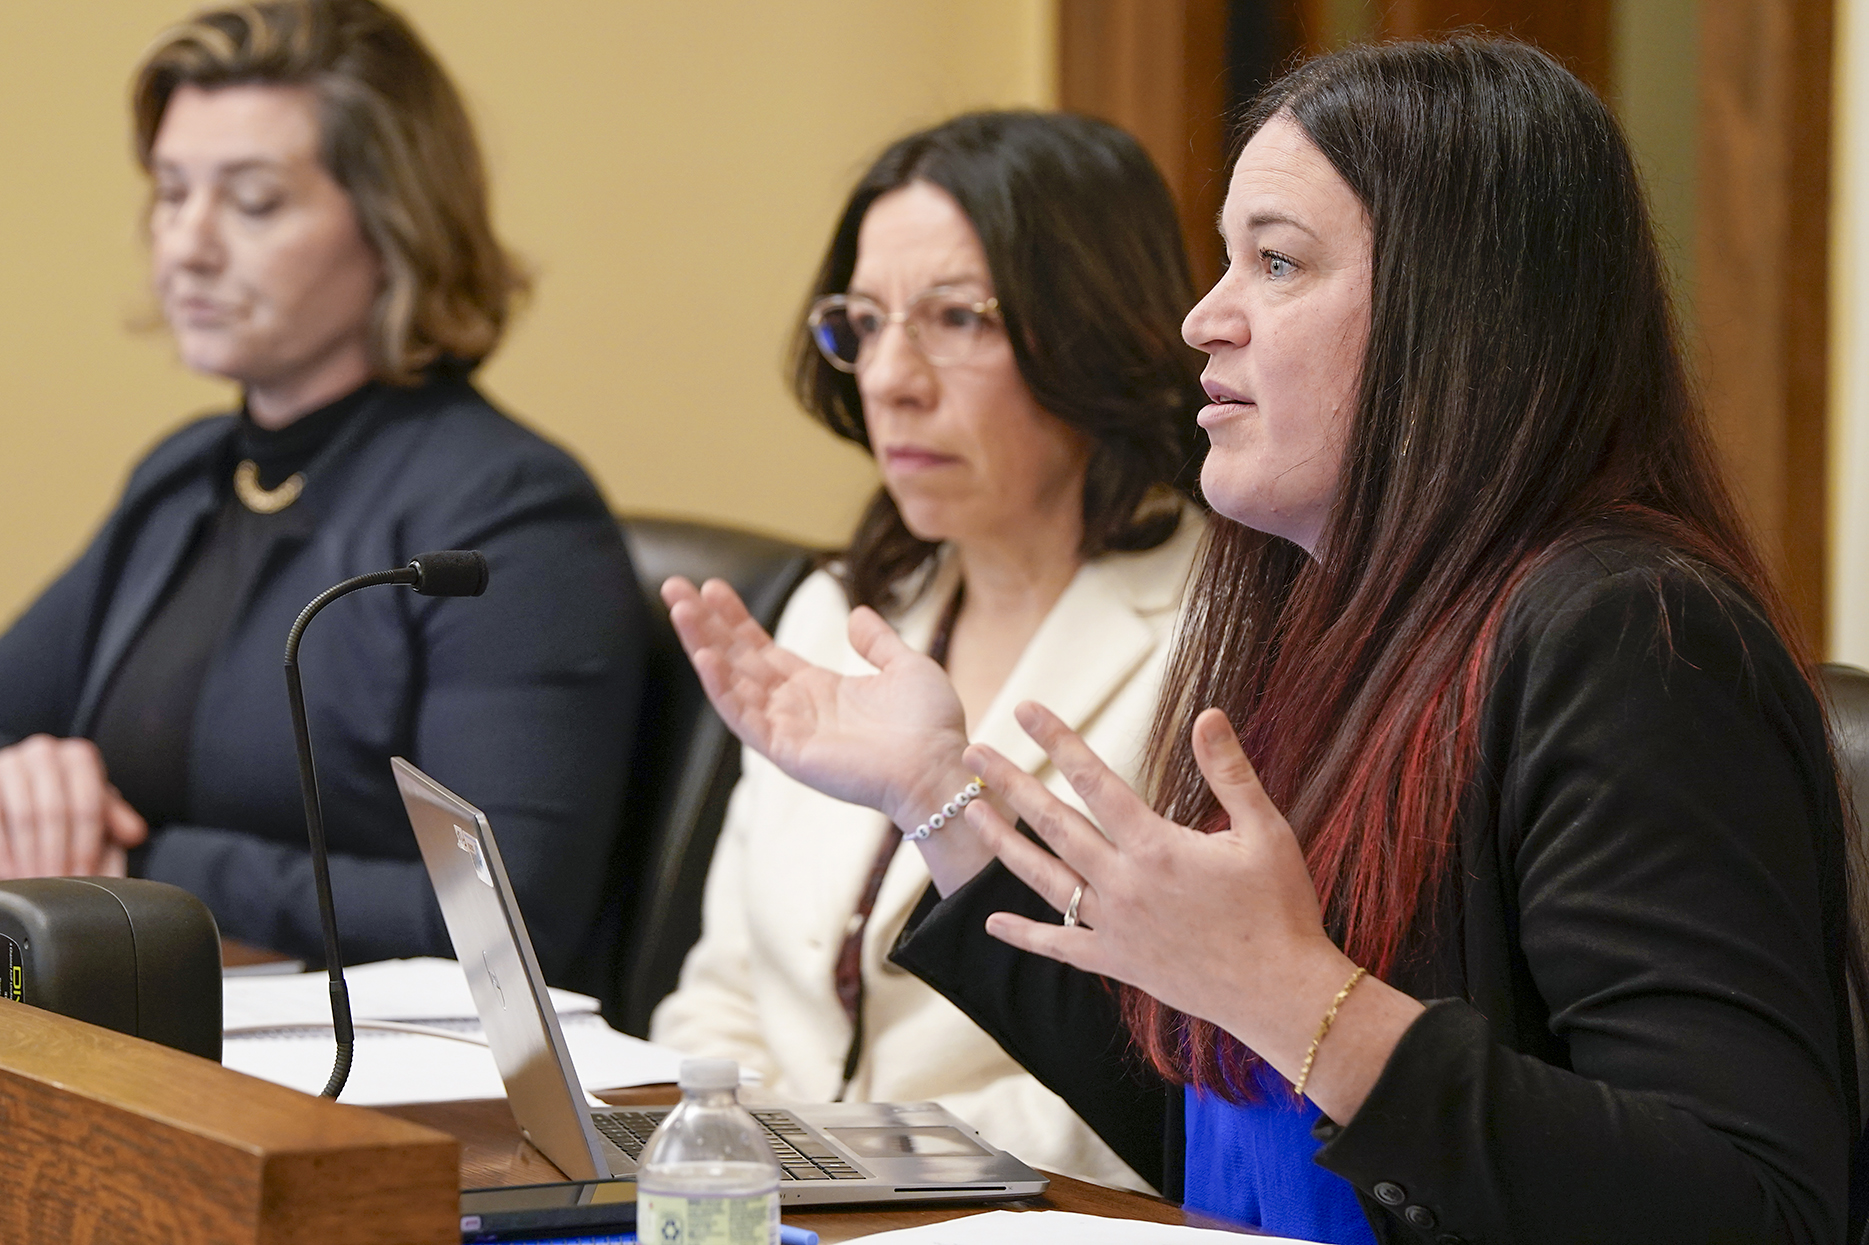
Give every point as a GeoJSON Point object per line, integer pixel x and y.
{"type": "Point", "coordinates": [1527, 919]}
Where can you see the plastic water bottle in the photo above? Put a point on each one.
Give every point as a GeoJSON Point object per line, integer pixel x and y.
{"type": "Point", "coordinates": [707, 1176]}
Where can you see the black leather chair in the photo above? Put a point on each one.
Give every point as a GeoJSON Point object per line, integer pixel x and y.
{"type": "Point", "coordinates": [1847, 689]}
{"type": "Point", "coordinates": [685, 763]}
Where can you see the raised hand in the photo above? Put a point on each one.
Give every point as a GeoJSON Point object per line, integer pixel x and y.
{"type": "Point", "coordinates": [59, 815]}
{"type": "Point", "coordinates": [875, 740]}
{"type": "Point", "coordinates": [1223, 926]}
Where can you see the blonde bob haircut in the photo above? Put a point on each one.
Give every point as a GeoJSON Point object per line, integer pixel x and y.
{"type": "Point", "coordinates": [394, 135]}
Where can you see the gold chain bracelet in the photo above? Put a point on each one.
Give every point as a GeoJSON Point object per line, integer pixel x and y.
{"type": "Point", "coordinates": [1310, 1056]}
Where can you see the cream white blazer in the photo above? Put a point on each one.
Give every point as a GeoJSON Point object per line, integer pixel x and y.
{"type": "Point", "coordinates": [791, 863]}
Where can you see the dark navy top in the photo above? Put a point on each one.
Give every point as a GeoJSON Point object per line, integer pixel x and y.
{"type": "Point", "coordinates": [523, 700]}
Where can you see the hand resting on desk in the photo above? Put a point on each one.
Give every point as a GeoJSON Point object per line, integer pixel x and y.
{"type": "Point", "coordinates": [59, 814]}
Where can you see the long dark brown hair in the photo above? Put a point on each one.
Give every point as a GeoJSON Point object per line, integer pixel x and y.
{"type": "Point", "coordinates": [1087, 261]}
{"type": "Point", "coordinates": [1522, 384]}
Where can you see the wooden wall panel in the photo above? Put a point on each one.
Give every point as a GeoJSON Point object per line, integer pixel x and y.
{"type": "Point", "coordinates": [1158, 69]}
{"type": "Point", "coordinates": [1762, 258]}
{"type": "Point", "coordinates": [1574, 31]}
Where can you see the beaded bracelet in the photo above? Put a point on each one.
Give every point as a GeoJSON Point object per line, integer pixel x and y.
{"type": "Point", "coordinates": [1310, 1056]}
{"type": "Point", "coordinates": [949, 811]}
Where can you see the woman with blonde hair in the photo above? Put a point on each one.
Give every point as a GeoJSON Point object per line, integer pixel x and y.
{"type": "Point", "coordinates": [319, 234]}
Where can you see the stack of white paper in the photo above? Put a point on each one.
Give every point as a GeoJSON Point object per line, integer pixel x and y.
{"type": "Point", "coordinates": [279, 1029]}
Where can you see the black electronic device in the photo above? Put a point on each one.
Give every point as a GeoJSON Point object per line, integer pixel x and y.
{"type": "Point", "coordinates": [583, 1207]}
{"type": "Point", "coordinates": [450, 573]}
{"type": "Point", "coordinates": [140, 957]}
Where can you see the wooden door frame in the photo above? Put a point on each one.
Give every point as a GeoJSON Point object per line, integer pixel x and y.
{"type": "Point", "coordinates": [1762, 258]}
{"type": "Point", "coordinates": [1158, 69]}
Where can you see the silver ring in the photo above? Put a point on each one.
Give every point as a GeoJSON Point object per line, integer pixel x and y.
{"type": "Point", "coordinates": [1070, 911]}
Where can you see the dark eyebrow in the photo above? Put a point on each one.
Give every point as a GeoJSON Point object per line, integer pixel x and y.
{"type": "Point", "coordinates": [1260, 220]}
{"type": "Point", "coordinates": [972, 279]}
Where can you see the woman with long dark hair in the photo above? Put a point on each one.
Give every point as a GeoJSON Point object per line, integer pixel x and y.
{"type": "Point", "coordinates": [1527, 919]}
{"type": "Point", "coordinates": [1029, 534]}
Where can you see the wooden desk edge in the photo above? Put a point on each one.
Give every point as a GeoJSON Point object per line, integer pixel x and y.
{"type": "Point", "coordinates": [187, 1092]}
{"type": "Point", "coordinates": [109, 1137]}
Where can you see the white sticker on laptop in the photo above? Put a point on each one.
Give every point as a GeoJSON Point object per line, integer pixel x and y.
{"type": "Point", "coordinates": [471, 845]}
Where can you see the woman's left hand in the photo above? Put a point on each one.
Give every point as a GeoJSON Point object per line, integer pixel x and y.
{"type": "Point", "coordinates": [1224, 926]}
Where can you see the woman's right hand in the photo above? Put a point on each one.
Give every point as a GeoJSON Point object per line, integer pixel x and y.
{"type": "Point", "coordinates": [59, 815]}
{"type": "Point", "coordinates": [891, 741]}
{"type": "Point", "coordinates": [868, 739]}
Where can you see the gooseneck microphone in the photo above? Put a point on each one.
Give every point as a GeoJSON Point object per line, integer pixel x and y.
{"type": "Point", "coordinates": [454, 573]}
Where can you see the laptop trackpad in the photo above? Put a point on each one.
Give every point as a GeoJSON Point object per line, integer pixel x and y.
{"type": "Point", "coordinates": [924, 1154]}
{"type": "Point", "coordinates": [902, 1142]}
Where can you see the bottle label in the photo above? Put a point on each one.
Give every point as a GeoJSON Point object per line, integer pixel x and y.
{"type": "Point", "coordinates": [665, 1220]}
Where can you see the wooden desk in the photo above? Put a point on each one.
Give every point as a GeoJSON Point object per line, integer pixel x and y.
{"type": "Point", "coordinates": [236, 954]}
{"type": "Point", "coordinates": [493, 1153]}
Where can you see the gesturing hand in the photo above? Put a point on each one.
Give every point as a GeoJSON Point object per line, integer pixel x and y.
{"type": "Point", "coordinates": [1223, 926]}
{"type": "Point", "coordinates": [59, 815]}
{"type": "Point", "coordinates": [875, 740]}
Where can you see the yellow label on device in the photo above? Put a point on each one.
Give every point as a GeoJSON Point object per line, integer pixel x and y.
{"type": "Point", "coordinates": [662, 1219]}
{"type": "Point", "coordinates": [12, 970]}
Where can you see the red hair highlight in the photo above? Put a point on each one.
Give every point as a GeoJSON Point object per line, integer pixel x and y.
{"type": "Point", "coordinates": [1386, 833]}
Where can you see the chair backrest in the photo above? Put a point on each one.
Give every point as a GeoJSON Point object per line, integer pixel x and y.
{"type": "Point", "coordinates": [1846, 688]}
{"type": "Point", "coordinates": [685, 761]}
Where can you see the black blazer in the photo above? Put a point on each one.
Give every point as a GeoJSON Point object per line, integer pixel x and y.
{"type": "Point", "coordinates": [523, 700]}
{"type": "Point", "coordinates": [1634, 1030]}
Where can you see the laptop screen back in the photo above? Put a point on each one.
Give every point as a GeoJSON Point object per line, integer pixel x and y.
{"type": "Point", "coordinates": [496, 955]}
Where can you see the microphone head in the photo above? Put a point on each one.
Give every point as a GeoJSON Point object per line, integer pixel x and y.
{"type": "Point", "coordinates": [450, 573]}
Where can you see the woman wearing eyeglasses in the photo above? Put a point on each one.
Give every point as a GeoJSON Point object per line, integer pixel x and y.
{"type": "Point", "coordinates": [997, 322]}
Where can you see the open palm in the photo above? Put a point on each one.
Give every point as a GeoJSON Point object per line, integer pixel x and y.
{"type": "Point", "coordinates": [861, 738]}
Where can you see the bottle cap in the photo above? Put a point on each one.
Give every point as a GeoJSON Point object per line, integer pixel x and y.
{"type": "Point", "coordinates": [706, 1074]}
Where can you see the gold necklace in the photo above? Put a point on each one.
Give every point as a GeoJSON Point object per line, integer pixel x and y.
{"type": "Point", "coordinates": [265, 500]}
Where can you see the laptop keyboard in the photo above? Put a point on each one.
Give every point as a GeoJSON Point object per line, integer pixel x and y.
{"type": "Point", "coordinates": [801, 1156]}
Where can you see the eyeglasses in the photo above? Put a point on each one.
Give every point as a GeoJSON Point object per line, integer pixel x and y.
{"type": "Point", "coordinates": [945, 324]}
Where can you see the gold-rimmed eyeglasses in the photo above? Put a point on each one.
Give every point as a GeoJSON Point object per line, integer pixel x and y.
{"type": "Point", "coordinates": [945, 323]}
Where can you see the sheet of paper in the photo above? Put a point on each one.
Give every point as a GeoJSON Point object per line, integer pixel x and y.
{"type": "Point", "coordinates": [278, 1028]}
{"type": "Point", "coordinates": [417, 989]}
{"type": "Point", "coordinates": [403, 1067]}
{"type": "Point", "coordinates": [1045, 1227]}
{"type": "Point", "coordinates": [385, 1067]}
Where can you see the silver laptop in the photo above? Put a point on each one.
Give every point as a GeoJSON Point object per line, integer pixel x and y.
{"type": "Point", "coordinates": [830, 1153]}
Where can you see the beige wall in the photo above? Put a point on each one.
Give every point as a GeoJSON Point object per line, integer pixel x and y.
{"type": "Point", "coordinates": [1655, 54]}
{"type": "Point", "coordinates": [670, 170]}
